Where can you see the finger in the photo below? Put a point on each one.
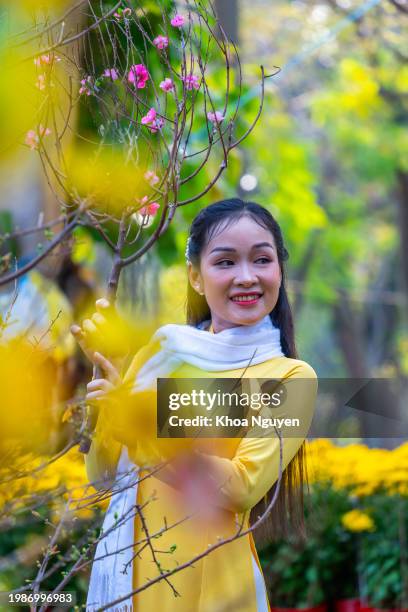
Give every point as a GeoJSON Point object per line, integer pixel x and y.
{"type": "Point", "coordinates": [79, 336]}
{"type": "Point", "coordinates": [102, 304]}
{"type": "Point", "coordinates": [99, 383]}
{"type": "Point", "coordinates": [106, 365]}
{"type": "Point", "coordinates": [98, 319]}
{"type": "Point", "coordinates": [89, 327]}
{"type": "Point", "coordinates": [93, 384]}
{"type": "Point", "coordinates": [76, 331]}
{"type": "Point", "coordinates": [95, 395]}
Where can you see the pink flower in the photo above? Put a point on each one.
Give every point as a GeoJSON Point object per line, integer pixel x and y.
{"type": "Point", "coordinates": [161, 42]}
{"type": "Point", "coordinates": [156, 125]}
{"type": "Point", "coordinates": [191, 81]}
{"type": "Point", "coordinates": [177, 21]}
{"type": "Point", "coordinates": [152, 121]}
{"type": "Point", "coordinates": [123, 14]}
{"type": "Point", "coordinates": [138, 75]}
{"type": "Point", "coordinates": [32, 138]}
{"type": "Point", "coordinates": [150, 210]}
{"type": "Point", "coordinates": [86, 86]}
{"type": "Point", "coordinates": [46, 58]}
{"type": "Point", "coordinates": [167, 85]}
{"type": "Point", "coordinates": [216, 117]}
{"type": "Point", "coordinates": [111, 73]}
{"type": "Point", "coordinates": [150, 117]}
{"type": "Point", "coordinates": [40, 81]}
{"type": "Point", "coordinates": [151, 177]}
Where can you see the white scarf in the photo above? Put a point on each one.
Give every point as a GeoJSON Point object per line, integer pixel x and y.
{"type": "Point", "coordinates": [230, 349]}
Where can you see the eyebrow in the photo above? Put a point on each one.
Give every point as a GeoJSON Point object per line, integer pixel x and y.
{"type": "Point", "coordinates": [232, 250]}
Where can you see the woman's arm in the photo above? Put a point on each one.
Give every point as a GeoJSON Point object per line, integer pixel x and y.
{"type": "Point", "coordinates": [242, 481]}
{"type": "Point", "coordinates": [246, 478]}
{"type": "Point", "coordinates": [102, 459]}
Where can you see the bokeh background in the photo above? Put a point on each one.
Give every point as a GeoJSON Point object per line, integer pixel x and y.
{"type": "Point", "coordinates": [329, 159]}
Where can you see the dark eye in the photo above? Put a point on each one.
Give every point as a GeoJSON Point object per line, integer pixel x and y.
{"type": "Point", "coordinates": [224, 262]}
{"type": "Point", "coordinates": [263, 260]}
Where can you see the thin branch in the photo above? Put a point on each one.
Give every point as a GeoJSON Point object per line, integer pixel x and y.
{"type": "Point", "coordinates": [36, 260]}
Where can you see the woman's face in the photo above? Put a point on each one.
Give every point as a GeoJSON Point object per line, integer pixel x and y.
{"type": "Point", "coordinates": [239, 274]}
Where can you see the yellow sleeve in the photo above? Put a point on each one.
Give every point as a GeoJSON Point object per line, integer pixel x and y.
{"type": "Point", "coordinates": [246, 478]}
{"type": "Point", "coordinates": [102, 459]}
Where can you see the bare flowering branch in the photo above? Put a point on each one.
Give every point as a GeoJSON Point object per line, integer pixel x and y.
{"type": "Point", "coordinates": [160, 97]}
{"type": "Point", "coordinates": [222, 541]}
{"type": "Point", "coordinates": [59, 238]}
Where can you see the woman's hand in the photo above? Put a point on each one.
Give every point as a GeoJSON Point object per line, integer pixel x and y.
{"type": "Point", "coordinates": [99, 387]}
{"type": "Point", "coordinates": [91, 329]}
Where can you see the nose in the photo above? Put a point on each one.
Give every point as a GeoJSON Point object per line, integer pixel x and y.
{"type": "Point", "coordinates": [245, 275]}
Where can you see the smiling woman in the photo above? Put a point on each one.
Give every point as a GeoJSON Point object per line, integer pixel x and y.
{"type": "Point", "coordinates": [239, 273]}
{"type": "Point", "coordinates": [239, 325]}
{"type": "Point", "coordinates": [235, 250]}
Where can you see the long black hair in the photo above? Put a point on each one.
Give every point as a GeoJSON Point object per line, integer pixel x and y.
{"type": "Point", "coordinates": [287, 515]}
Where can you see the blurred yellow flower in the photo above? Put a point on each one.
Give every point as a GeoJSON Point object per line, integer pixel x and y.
{"type": "Point", "coordinates": [356, 520]}
{"type": "Point", "coordinates": [26, 416]}
{"type": "Point", "coordinates": [173, 289]}
{"type": "Point", "coordinates": [106, 180]}
{"type": "Point", "coordinates": [361, 91]}
{"type": "Point", "coordinates": [62, 483]}
{"type": "Point", "coordinates": [357, 468]}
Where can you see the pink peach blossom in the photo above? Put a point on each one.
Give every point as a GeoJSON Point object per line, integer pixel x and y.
{"type": "Point", "coordinates": [138, 75]}
{"type": "Point", "coordinates": [45, 59]}
{"type": "Point", "coordinates": [167, 85]}
{"type": "Point", "coordinates": [111, 73]}
{"type": "Point", "coordinates": [151, 177]}
{"type": "Point", "coordinates": [152, 121]}
{"type": "Point", "coordinates": [149, 117]}
{"type": "Point", "coordinates": [156, 125]}
{"type": "Point", "coordinates": [161, 42]}
{"type": "Point", "coordinates": [150, 210]}
{"type": "Point", "coordinates": [122, 14]}
{"type": "Point", "coordinates": [177, 21]}
{"type": "Point", "coordinates": [191, 81]}
{"type": "Point", "coordinates": [216, 117]}
{"type": "Point", "coordinates": [86, 86]}
{"type": "Point", "coordinates": [41, 83]}
{"type": "Point", "coordinates": [32, 138]}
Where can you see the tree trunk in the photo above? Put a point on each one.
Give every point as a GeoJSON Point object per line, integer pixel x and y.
{"type": "Point", "coordinates": [227, 13]}
{"type": "Point", "coordinates": [403, 224]}
{"type": "Point", "coordinates": [351, 341]}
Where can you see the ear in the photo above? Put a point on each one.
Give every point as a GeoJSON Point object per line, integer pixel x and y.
{"type": "Point", "coordinates": [280, 277]}
{"type": "Point", "coordinates": [195, 278]}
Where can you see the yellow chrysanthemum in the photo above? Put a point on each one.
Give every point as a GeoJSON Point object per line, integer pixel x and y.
{"type": "Point", "coordinates": [356, 520]}
{"type": "Point", "coordinates": [357, 468]}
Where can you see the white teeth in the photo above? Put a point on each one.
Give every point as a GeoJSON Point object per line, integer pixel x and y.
{"type": "Point", "coordinates": [244, 298]}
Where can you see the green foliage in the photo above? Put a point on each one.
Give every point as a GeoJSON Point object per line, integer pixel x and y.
{"type": "Point", "coordinates": [380, 562]}
{"type": "Point", "coordinates": [323, 568]}
{"type": "Point", "coordinates": [23, 546]}
{"type": "Point", "coordinates": [333, 561]}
